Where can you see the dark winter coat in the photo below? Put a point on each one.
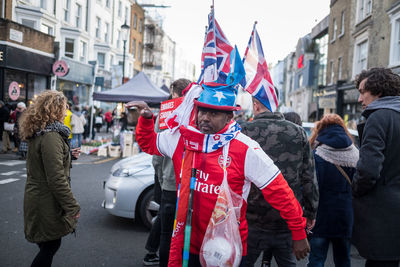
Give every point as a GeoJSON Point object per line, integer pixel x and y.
{"type": "Point", "coordinates": [335, 210]}
{"type": "Point", "coordinates": [49, 206]}
{"type": "Point", "coordinates": [287, 145]}
{"type": "Point", "coordinates": [4, 116]}
{"type": "Point", "coordinates": [376, 185]}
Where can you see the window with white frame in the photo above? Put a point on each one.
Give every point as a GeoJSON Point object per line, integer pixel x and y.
{"type": "Point", "coordinates": [140, 51]}
{"type": "Point", "coordinates": [78, 16]}
{"type": "Point", "coordinates": [46, 29]}
{"type": "Point", "coordinates": [108, 3]}
{"type": "Point", "coordinates": [106, 31]}
{"type": "Point", "coordinates": [101, 60]}
{"type": "Point", "coordinates": [98, 26]}
{"type": "Point", "coordinates": [134, 48]}
{"type": "Point", "coordinates": [394, 57]}
{"type": "Point", "coordinates": [332, 69]}
{"type": "Point", "coordinates": [140, 25]}
{"type": "Point", "coordinates": [135, 21]}
{"type": "Point", "coordinates": [43, 4]}
{"type": "Point", "coordinates": [111, 60]}
{"type": "Point", "coordinates": [82, 52]}
{"type": "Point", "coordinates": [69, 47]}
{"type": "Point", "coordinates": [340, 68]}
{"type": "Point", "coordinates": [300, 80]}
{"type": "Point", "coordinates": [360, 56]}
{"type": "Point", "coordinates": [334, 30]}
{"type": "Point", "coordinates": [342, 24]}
{"type": "Point", "coordinates": [126, 15]}
{"type": "Point", "coordinates": [67, 7]}
{"type": "Point", "coordinates": [119, 39]}
{"type": "Point", "coordinates": [364, 8]}
{"type": "Point", "coordinates": [119, 9]}
{"type": "Point", "coordinates": [28, 23]}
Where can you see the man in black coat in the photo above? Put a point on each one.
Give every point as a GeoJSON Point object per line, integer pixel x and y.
{"type": "Point", "coordinates": [4, 116]}
{"type": "Point", "coordinates": [376, 183]}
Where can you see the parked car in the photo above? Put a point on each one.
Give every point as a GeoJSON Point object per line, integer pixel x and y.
{"type": "Point", "coordinates": [308, 126]}
{"type": "Point", "coordinates": [129, 189]}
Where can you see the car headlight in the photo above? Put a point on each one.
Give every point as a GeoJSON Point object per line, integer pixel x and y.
{"type": "Point", "coordinates": [125, 172]}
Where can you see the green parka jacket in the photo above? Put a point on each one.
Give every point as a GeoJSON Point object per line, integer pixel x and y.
{"type": "Point", "coordinates": [49, 206]}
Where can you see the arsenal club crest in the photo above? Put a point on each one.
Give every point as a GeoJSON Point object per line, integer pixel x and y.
{"type": "Point", "coordinates": [221, 161]}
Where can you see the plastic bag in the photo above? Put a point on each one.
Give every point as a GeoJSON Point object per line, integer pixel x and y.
{"type": "Point", "coordinates": [222, 244]}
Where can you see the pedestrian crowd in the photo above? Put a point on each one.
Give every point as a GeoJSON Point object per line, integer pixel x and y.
{"type": "Point", "coordinates": [290, 195]}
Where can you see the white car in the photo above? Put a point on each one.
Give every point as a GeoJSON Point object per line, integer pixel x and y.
{"type": "Point", "coordinates": [129, 189]}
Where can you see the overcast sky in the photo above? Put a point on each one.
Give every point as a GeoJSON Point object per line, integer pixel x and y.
{"type": "Point", "coordinates": [280, 23]}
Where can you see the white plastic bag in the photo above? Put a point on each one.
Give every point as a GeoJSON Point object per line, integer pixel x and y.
{"type": "Point", "coordinates": [222, 244]}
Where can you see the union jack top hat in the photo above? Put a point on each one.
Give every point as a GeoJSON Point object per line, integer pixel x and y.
{"type": "Point", "coordinates": [222, 70]}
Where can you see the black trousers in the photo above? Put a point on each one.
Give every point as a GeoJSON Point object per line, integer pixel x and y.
{"type": "Point", "coordinates": [167, 215]}
{"type": "Point", "coordinates": [46, 253]}
{"type": "Point", "coordinates": [194, 261]}
{"type": "Point", "coordinates": [371, 263]}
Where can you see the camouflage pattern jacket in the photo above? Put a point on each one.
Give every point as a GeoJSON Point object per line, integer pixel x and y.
{"type": "Point", "coordinates": [287, 145]}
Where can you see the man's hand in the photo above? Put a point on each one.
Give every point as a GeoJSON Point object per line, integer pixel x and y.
{"type": "Point", "coordinates": [301, 248]}
{"type": "Point", "coordinates": [143, 108]}
{"type": "Point", "coordinates": [75, 152]}
{"type": "Point", "coordinates": [310, 225]}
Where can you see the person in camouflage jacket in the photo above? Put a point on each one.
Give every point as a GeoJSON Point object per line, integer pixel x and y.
{"type": "Point", "coordinates": [287, 145]}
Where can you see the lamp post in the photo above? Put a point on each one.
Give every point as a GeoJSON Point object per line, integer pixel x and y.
{"type": "Point", "coordinates": [125, 33]}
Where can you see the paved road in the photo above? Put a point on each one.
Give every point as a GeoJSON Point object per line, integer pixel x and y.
{"type": "Point", "coordinates": [101, 240]}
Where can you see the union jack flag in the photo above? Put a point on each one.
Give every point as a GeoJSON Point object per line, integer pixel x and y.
{"type": "Point", "coordinates": [258, 80]}
{"type": "Point", "coordinates": [216, 55]}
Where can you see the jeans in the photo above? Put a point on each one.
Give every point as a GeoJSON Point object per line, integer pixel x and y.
{"type": "Point", "coordinates": [76, 140]}
{"type": "Point", "coordinates": [167, 213]}
{"type": "Point", "coordinates": [319, 249]}
{"type": "Point", "coordinates": [273, 243]}
{"type": "Point", "coordinates": [46, 253]}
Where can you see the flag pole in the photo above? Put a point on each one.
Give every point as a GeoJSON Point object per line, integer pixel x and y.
{"type": "Point", "coordinates": [188, 226]}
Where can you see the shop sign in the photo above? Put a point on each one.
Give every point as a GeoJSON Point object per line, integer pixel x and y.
{"type": "Point", "coordinates": [60, 68]}
{"type": "Point", "coordinates": [327, 103]}
{"type": "Point", "coordinates": [16, 36]}
{"type": "Point", "coordinates": [13, 91]}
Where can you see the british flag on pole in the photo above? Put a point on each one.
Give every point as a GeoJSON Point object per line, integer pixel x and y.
{"type": "Point", "coordinates": [258, 80]}
{"type": "Point", "coordinates": [216, 56]}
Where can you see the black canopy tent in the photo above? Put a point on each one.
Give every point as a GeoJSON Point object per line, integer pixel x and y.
{"type": "Point", "coordinates": [139, 88]}
{"type": "Point", "coordinates": [165, 88]}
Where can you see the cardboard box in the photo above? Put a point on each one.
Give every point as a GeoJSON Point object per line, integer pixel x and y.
{"type": "Point", "coordinates": [114, 151]}
{"type": "Point", "coordinates": [102, 152]}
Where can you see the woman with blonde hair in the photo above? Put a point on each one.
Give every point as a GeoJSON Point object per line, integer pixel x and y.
{"type": "Point", "coordinates": [50, 209]}
{"type": "Point", "coordinates": [335, 161]}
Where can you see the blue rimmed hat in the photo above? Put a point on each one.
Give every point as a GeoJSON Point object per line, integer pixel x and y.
{"type": "Point", "coordinates": [222, 96]}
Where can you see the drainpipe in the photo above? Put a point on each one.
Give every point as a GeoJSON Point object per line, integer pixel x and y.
{"type": "Point", "coordinates": [3, 9]}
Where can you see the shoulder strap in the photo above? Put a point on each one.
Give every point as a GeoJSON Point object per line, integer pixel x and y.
{"type": "Point", "coordinates": [343, 173]}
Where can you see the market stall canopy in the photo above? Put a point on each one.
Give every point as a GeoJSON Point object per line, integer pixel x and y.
{"type": "Point", "coordinates": [165, 88]}
{"type": "Point", "coordinates": [139, 88]}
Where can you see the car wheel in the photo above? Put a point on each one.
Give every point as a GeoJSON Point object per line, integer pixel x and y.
{"type": "Point", "coordinates": [148, 208]}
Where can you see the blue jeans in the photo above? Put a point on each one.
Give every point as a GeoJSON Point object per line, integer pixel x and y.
{"type": "Point", "coordinates": [319, 249]}
{"type": "Point", "coordinates": [76, 140]}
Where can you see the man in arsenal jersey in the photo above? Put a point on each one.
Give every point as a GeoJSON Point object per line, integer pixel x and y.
{"type": "Point", "coordinates": [199, 129]}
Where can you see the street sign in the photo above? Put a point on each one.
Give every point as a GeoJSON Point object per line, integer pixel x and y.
{"type": "Point", "coordinates": [60, 68]}
{"type": "Point", "coordinates": [14, 91]}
